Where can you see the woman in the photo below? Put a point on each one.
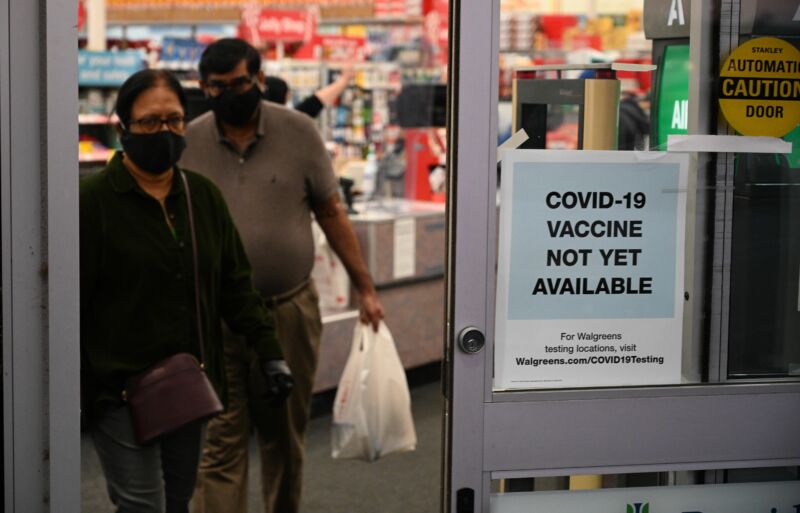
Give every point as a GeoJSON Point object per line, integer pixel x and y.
{"type": "Point", "coordinates": [138, 293]}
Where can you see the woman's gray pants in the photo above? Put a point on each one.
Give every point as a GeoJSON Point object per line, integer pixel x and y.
{"type": "Point", "coordinates": [147, 479]}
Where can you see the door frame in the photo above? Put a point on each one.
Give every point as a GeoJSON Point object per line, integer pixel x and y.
{"type": "Point", "coordinates": [40, 267]}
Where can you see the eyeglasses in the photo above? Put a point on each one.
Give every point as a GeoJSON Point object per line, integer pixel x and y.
{"type": "Point", "coordinates": [237, 85]}
{"type": "Point", "coordinates": [153, 124]}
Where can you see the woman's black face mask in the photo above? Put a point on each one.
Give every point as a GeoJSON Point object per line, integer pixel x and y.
{"type": "Point", "coordinates": [235, 109]}
{"type": "Point", "coordinates": [153, 153]}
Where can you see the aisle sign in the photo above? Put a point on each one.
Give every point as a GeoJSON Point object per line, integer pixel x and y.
{"type": "Point", "coordinates": [760, 87]}
{"type": "Point", "coordinates": [108, 69]}
{"type": "Point", "coordinates": [666, 19]}
{"type": "Point", "coordinates": [260, 26]}
{"type": "Point", "coordinates": [590, 269]}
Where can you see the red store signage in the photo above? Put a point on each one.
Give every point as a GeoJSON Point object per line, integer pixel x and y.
{"type": "Point", "coordinates": [436, 29]}
{"type": "Point", "coordinates": [81, 15]}
{"type": "Point", "coordinates": [261, 26]}
{"type": "Point", "coordinates": [343, 48]}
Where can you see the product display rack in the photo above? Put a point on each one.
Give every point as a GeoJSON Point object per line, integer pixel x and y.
{"type": "Point", "coordinates": [303, 77]}
{"type": "Point", "coordinates": [411, 20]}
{"type": "Point", "coordinates": [98, 137]}
{"type": "Point", "coordinates": [364, 108]}
{"type": "Point", "coordinates": [173, 16]}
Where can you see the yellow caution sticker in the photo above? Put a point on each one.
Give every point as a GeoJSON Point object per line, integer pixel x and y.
{"type": "Point", "coordinates": [759, 87]}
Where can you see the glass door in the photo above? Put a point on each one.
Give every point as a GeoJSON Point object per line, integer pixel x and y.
{"type": "Point", "coordinates": [563, 374]}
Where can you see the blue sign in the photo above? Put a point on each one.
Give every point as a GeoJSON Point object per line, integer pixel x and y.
{"type": "Point", "coordinates": [108, 69]}
{"type": "Point", "coordinates": [183, 52]}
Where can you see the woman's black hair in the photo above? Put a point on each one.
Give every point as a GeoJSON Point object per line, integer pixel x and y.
{"type": "Point", "coordinates": [140, 82]}
{"type": "Point", "coordinates": [225, 54]}
{"type": "Point", "coordinates": [277, 90]}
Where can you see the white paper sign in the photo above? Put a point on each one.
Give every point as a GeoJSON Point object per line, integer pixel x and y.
{"type": "Point", "coordinates": [726, 498]}
{"type": "Point", "coordinates": [405, 248]}
{"type": "Point", "coordinates": [590, 269]}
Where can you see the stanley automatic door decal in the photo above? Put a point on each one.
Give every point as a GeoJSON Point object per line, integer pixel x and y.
{"type": "Point", "coordinates": [760, 87]}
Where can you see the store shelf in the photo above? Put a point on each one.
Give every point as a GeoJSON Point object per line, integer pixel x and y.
{"type": "Point", "coordinates": [174, 16]}
{"type": "Point", "coordinates": [188, 16]}
{"type": "Point", "coordinates": [177, 66]}
{"type": "Point", "coordinates": [413, 20]}
{"type": "Point", "coordinates": [96, 157]}
{"type": "Point", "coordinates": [96, 119]}
{"type": "Point", "coordinates": [377, 86]}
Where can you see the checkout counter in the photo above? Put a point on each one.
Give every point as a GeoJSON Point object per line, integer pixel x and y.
{"type": "Point", "coordinates": [402, 240]}
{"type": "Point", "coordinates": [403, 244]}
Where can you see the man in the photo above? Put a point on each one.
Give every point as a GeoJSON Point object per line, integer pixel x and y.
{"type": "Point", "coordinates": [634, 123]}
{"type": "Point", "coordinates": [271, 165]}
{"type": "Point", "coordinates": [278, 92]}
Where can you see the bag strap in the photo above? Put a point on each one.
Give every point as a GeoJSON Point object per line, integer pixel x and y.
{"type": "Point", "coordinates": [196, 271]}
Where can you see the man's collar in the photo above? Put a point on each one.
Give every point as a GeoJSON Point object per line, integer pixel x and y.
{"type": "Point", "coordinates": [261, 128]}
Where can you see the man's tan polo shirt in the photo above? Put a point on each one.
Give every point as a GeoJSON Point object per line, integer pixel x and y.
{"type": "Point", "coordinates": [269, 188]}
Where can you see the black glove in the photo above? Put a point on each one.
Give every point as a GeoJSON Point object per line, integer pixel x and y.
{"type": "Point", "coordinates": [278, 381]}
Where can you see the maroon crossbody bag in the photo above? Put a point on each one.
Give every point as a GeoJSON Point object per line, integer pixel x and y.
{"type": "Point", "coordinates": [175, 391]}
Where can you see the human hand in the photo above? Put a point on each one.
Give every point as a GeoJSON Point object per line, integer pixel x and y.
{"type": "Point", "coordinates": [348, 72]}
{"type": "Point", "coordinates": [278, 381]}
{"type": "Point", "coordinates": [371, 311]}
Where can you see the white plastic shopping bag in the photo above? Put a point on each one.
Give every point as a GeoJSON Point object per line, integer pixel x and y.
{"type": "Point", "coordinates": [372, 411]}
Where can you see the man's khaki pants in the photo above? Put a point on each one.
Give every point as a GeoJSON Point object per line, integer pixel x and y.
{"type": "Point", "coordinates": [222, 480]}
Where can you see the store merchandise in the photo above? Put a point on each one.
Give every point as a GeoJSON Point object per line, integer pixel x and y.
{"type": "Point", "coordinates": [363, 110]}
{"type": "Point", "coordinates": [397, 8]}
{"type": "Point", "coordinates": [92, 151]}
{"type": "Point", "coordinates": [97, 136]}
{"type": "Point", "coordinates": [393, 44]}
{"type": "Point", "coordinates": [303, 77]}
{"type": "Point", "coordinates": [533, 33]}
{"type": "Point", "coordinates": [517, 31]}
{"type": "Point", "coordinates": [531, 6]}
{"type": "Point", "coordinates": [153, 11]}
{"type": "Point", "coordinates": [99, 75]}
{"type": "Point", "coordinates": [352, 126]}
{"type": "Point", "coordinates": [370, 173]}
{"type": "Point", "coordinates": [219, 4]}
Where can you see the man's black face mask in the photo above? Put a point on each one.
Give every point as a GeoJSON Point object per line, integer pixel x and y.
{"type": "Point", "coordinates": [235, 109]}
